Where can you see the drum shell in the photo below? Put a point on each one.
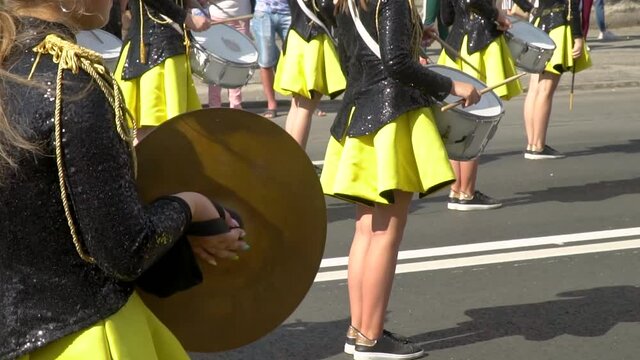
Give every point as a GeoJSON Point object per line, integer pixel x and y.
{"type": "Point", "coordinates": [466, 134]}
{"type": "Point", "coordinates": [527, 56]}
{"type": "Point", "coordinates": [223, 56]}
{"type": "Point", "coordinates": [214, 70]}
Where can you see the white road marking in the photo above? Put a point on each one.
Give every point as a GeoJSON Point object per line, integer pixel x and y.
{"type": "Point", "coordinates": [500, 245]}
{"type": "Point", "coordinates": [495, 258]}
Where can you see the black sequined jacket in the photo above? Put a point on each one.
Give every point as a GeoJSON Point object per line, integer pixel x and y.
{"type": "Point", "coordinates": [551, 14]}
{"type": "Point", "coordinates": [161, 39]}
{"type": "Point", "coordinates": [474, 18]}
{"type": "Point", "coordinates": [305, 27]}
{"type": "Point", "coordinates": [382, 89]}
{"type": "Point", "coordinates": [46, 290]}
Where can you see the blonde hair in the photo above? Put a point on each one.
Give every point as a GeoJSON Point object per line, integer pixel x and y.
{"type": "Point", "coordinates": [10, 36]}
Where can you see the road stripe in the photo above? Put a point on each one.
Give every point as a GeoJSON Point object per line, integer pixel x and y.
{"type": "Point", "coordinates": [494, 258]}
{"type": "Point", "coordinates": [500, 245]}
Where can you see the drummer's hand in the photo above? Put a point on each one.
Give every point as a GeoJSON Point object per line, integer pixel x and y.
{"type": "Point", "coordinates": [503, 22]}
{"type": "Point", "coordinates": [466, 91]}
{"type": "Point", "coordinates": [429, 34]}
{"type": "Point", "coordinates": [197, 23]}
{"type": "Point", "coordinates": [578, 45]}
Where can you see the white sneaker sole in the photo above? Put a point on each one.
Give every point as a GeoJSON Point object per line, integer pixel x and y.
{"type": "Point", "coordinates": [349, 349]}
{"type": "Point", "coordinates": [543, 157]}
{"type": "Point", "coordinates": [384, 356]}
{"type": "Point", "coordinates": [463, 207]}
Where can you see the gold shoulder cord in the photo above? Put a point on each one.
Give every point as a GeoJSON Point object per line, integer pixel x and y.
{"type": "Point", "coordinates": [70, 56]}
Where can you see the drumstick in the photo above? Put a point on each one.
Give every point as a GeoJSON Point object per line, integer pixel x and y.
{"type": "Point", "coordinates": [222, 21]}
{"type": "Point", "coordinates": [573, 81]}
{"type": "Point", "coordinates": [453, 50]}
{"type": "Point", "coordinates": [483, 91]}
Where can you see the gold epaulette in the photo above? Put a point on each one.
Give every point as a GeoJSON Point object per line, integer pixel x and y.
{"type": "Point", "coordinates": [72, 57]}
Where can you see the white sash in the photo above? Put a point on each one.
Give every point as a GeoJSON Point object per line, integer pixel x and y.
{"type": "Point", "coordinates": [364, 34]}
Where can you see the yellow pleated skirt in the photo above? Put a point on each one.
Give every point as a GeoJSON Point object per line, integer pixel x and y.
{"type": "Point", "coordinates": [407, 154]}
{"type": "Point", "coordinates": [562, 59]}
{"type": "Point", "coordinates": [494, 62]}
{"type": "Point", "coordinates": [133, 333]}
{"type": "Point", "coordinates": [161, 93]}
{"type": "Point", "coordinates": [308, 67]}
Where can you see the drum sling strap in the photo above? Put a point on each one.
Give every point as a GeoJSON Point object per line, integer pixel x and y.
{"type": "Point", "coordinates": [314, 18]}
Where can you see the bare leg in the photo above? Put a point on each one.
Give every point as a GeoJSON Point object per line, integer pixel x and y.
{"type": "Point", "coordinates": [542, 110]}
{"type": "Point", "coordinates": [267, 75]}
{"type": "Point", "coordinates": [377, 261]}
{"type": "Point", "coordinates": [357, 261]}
{"type": "Point", "coordinates": [468, 174]}
{"type": "Point", "coordinates": [299, 118]}
{"type": "Point", "coordinates": [455, 164]}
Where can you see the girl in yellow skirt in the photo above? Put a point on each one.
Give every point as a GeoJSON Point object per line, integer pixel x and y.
{"type": "Point", "coordinates": [309, 66]}
{"type": "Point", "coordinates": [561, 19]}
{"type": "Point", "coordinates": [478, 34]}
{"type": "Point", "coordinates": [384, 148]}
{"type": "Point", "coordinates": [66, 172]}
{"type": "Point", "coordinates": [153, 70]}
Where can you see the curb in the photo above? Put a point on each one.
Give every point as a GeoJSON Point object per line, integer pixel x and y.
{"type": "Point", "coordinates": [335, 103]}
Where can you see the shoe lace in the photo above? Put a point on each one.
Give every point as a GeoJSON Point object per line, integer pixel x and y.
{"type": "Point", "coordinates": [396, 337]}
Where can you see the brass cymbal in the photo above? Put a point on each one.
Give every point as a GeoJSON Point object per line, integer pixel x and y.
{"type": "Point", "coordinates": [251, 165]}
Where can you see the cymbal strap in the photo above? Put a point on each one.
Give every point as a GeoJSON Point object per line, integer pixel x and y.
{"type": "Point", "coordinates": [208, 227]}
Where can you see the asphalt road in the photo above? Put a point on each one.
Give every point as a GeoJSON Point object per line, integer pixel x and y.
{"type": "Point", "coordinates": [504, 284]}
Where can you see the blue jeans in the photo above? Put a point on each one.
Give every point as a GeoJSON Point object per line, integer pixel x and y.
{"type": "Point", "coordinates": [265, 27]}
{"type": "Point", "coordinates": [599, 5]}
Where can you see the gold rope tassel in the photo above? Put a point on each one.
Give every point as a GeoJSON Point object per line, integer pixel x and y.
{"type": "Point", "coordinates": [70, 56]}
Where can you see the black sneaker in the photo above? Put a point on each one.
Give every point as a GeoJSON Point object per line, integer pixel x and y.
{"type": "Point", "coordinates": [547, 153]}
{"type": "Point", "coordinates": [479, 201]}
{"type": "Point", "coordinates": [388, 346]}
{"type": "Point", "coordinates": [350, 342]}
{"type": "Point", "coordinates": [453, 200]}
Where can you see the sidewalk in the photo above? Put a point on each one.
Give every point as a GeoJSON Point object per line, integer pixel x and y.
{"type": "Point", "coordinates": [615, 65]}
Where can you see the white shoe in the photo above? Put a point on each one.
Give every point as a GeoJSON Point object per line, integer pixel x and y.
{"type": "Point", "coordinates": [607, 36]}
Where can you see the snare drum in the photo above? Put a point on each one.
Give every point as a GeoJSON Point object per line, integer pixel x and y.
{"type": "Point", "coordinates": [223, 56]}
{"type": "Point", "coordinates": [466, 131]}
{"type": "Point", "coordinates": [104, 43]}
{"type": "Point", "coordinates": [531, 48]}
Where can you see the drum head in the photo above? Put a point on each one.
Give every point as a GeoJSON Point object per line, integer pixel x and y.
{"type": "Point", "coordinates": [228, 44]}
{"type": "Point", "coordinates": [250, 165]}
{"type": "Point", "coordinates": [100, 41]}
{"type": "Point", "coordinates": [489, 106]}
{"type": "Point", "coordinates": [530, 34]}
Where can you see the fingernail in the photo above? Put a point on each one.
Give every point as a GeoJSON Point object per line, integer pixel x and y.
{"type": "Point", "coordinates": [245, 247]}
{"type": "Point", "coordinates": [235, 258]}
{"type": "Point", "coordinates": [212, 262]}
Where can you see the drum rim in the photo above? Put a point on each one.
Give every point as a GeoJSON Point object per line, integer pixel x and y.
{"type": "Point", "coordinates": [511, 36]}
{"type": "Point", "coordinates": [222, 60]}
{"type": "Point", "coordinates": [101, 32]}
{"type": "Point", "coordinates": [486, 118]}
{"type": "Point", "coordinates": [197, 44]}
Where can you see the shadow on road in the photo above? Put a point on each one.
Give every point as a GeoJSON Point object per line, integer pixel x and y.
{"type": "Point", "coordinates": [585, 313]}
{"type": "Point", "coordinates": [632, 146]}
{"type": "Point", "coordinates": [596, 191]}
